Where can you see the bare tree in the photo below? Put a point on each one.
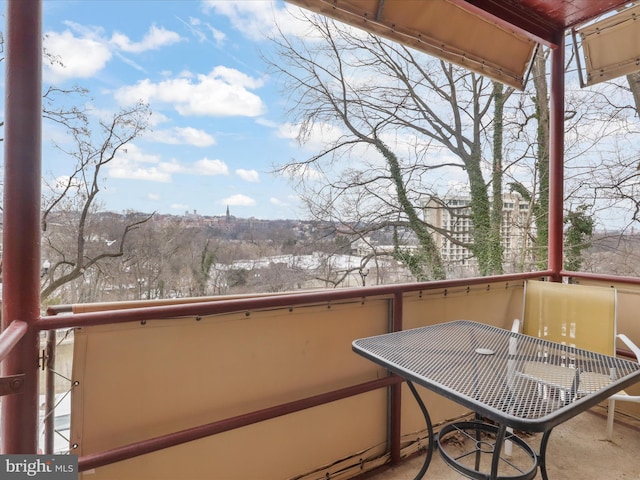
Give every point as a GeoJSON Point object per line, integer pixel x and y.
{"type": "Point", "coordinates": [73, 199]}
{"type": "Point", "coordinates": [633, 79]}
{"type": "Point", "coordinates": [604, 159]}
{"type": "Point", "coordinates": [70, 252]}
{"type": "Point", "coordinates": [403, 119]}
{"type": "Point", "coordinates": [537, 193]}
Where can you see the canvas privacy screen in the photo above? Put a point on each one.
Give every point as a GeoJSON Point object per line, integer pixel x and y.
{"type": "Point", "coordinates": [435, 27]}
{"type": "Point", "coordinates": [611, 47]}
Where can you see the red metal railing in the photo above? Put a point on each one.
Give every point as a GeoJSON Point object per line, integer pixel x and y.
{"type": "Point", "coordinates": [99, 459]}
{"type": "Point", "coordinates": [10, 337]}
{"type": "Point", "coordinates": [228, 306]}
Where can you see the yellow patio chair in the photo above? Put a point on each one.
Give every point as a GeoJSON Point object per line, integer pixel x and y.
{"type": "Point", "coordinates": [579, 316]}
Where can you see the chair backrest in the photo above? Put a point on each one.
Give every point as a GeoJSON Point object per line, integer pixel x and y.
{"type": "Point", "coordinates": [576, 315]}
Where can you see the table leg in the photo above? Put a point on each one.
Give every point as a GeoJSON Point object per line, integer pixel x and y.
{"type": "Point", "coordinates": [523, 465]}
{"type": "Point", "coordinates": [497, 448]}
{"type": "Point", "coordinates": [427, 418]}
{"type": "Point", "coordinates": [542, 463]}
{"type": "Point", "coordinates": [478, 440]}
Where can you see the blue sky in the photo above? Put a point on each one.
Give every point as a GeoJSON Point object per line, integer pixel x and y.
{"type": "Point", "coordinates": [218, 124]}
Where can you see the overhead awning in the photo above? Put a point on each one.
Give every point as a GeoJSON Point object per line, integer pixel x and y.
{"type": "Point", "coordinates": [610, 47]}
{"type": "Point", "coordinates": [440, 28]}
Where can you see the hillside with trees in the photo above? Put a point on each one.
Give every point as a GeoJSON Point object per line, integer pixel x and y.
{"type": "Point", "coordinates": [173, 256]}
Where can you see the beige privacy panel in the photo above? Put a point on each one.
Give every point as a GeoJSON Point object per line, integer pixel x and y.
{"type": "Point", "coordinates": [434, 27]}
{"type": "Point", "coordinates": [611, 47]}
{"type": "Point", "coordinates": [136, 381]}
{"type": "Point", "coordinates": [491, 303]}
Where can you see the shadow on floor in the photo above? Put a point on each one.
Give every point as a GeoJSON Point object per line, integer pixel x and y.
{"type": "Point", "coordinates": [578, 449]}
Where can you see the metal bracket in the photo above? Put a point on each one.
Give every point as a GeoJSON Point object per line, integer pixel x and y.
{"type": "Point", "coordinates": [11, 384]}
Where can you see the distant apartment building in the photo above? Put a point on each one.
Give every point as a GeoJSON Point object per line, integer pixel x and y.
{"type": "Point", "coordinates": [453, 216]}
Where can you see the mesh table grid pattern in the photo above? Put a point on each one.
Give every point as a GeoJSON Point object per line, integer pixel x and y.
{"type": "Point", "coordinates": [518, 375]}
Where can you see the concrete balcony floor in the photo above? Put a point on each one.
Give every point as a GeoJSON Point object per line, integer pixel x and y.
{"type": "Point", "coordinates": [578, 449]}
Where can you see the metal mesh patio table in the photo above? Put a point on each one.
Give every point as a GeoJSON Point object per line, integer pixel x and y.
{"type": "Point", "coordinates": [516, 381]}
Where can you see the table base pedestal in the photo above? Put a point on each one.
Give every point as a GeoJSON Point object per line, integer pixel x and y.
{"type": "Point", "coordinates": [474, 449]}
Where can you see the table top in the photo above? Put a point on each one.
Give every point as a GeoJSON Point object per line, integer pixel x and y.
{"type": "Point", "coordinates": [521, 381]}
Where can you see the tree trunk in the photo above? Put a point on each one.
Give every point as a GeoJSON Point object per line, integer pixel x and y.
{"type": "Point", "coordinates": [427, 245]}
{"type": "Point", "coordinates": [541, 207]}
{"type": "Point", "coordinates": [634, 85]}
{"type": "Point", "coordinates": [496, 253]}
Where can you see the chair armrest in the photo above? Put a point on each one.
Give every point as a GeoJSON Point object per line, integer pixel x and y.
{"type": "Point", "coordinates": [632, 346]}
{"type": "Point", "coordinates": [554, 376]}
{"type": "Point", "coordinates": [515, 327]}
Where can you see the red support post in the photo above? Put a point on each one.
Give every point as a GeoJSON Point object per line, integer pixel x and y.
{"type": "Point", "coordinates": [395, 390]}
{"type": "Point", "coordinates": [21, 223]}
{"type": "Point", "coordinates": [556, 160]}
{"type": "Point", "coordinates": [50, 399]}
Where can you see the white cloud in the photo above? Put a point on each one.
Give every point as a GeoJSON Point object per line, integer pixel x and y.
{"type": "Point", "coordinates": [157, 118]}
{"type": "Point", "coordinates": [222, 92]}
{"type": "Point", "coordinates": [248, 175]}
{"type": "Point", "coordinates": [179, 206]}
{"type": "Point", "coordinates": [61, 183]}
{"type": "Point", "coordinates": [172, 167]}
{"type": "Point", "coordinates": [194, 25]}
{"type": "Point", "coordinates": [267, 123]}
{"type": "Point", "coordinates": [302, 171]}
{"type": "Point", "coordinates": [132, 154]}
{"type": "Point", "coordinates": [211, 167]}
{"type": "Point", "coordinates": [199, 30]}
{"type": "Point", "coordinates": [76, 57]}
{"type": "Point", "coordinates": [154, 197]}
{"type": "Point", "coordinates": [288, 130]}
{"type": "Point", "coordinates": [83, 51]}
{"type": "Point", "coordinates": [193, 136]}
{"type": "Point", "coordinates": [252, 18]}
{"type": "Point", "coordinates": [131, 63]}
{"type": "Point", "coordinates": [239, 200]}
{"type": "Point", "coordinates": [277, 202]}
{"type": "Point", "coordinates": [315, 140]}
{"type": "Point", "coordinates": [231, 75]}
{"type": "Point", "coordinates": [151, 174]}
{"type": "Point", "coordinates": [218, 36]}
{"type": "Point", "coordinates": [154, 39]}
{"type": "Point", "coordinates": [258, 20]}
{"type": "Point", "coordinates": [182, 136]}
{"type": "Point", "coordinates": [133, 164]}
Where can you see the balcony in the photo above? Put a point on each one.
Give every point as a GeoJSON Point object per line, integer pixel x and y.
{"type": "Point", "coordinates": [268, 387]}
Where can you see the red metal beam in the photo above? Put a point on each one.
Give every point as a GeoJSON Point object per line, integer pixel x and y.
{"type": "Point", "coordinates": [50, 398]}
{"type": "Point", "coordinates": [512, 17]}
{"type": "Point", "coordinates": [602, 277]}
{"type": "Point", "coordinates": [10, 337]}
{"type": "Point", "coordinates": [395, 391]}
{"type": "Point", "coordinates": [228, 306]}
{"type": "Point", "coordinates": [21, 224]}
{"type": "Point", "coordinates": [556, 161]}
